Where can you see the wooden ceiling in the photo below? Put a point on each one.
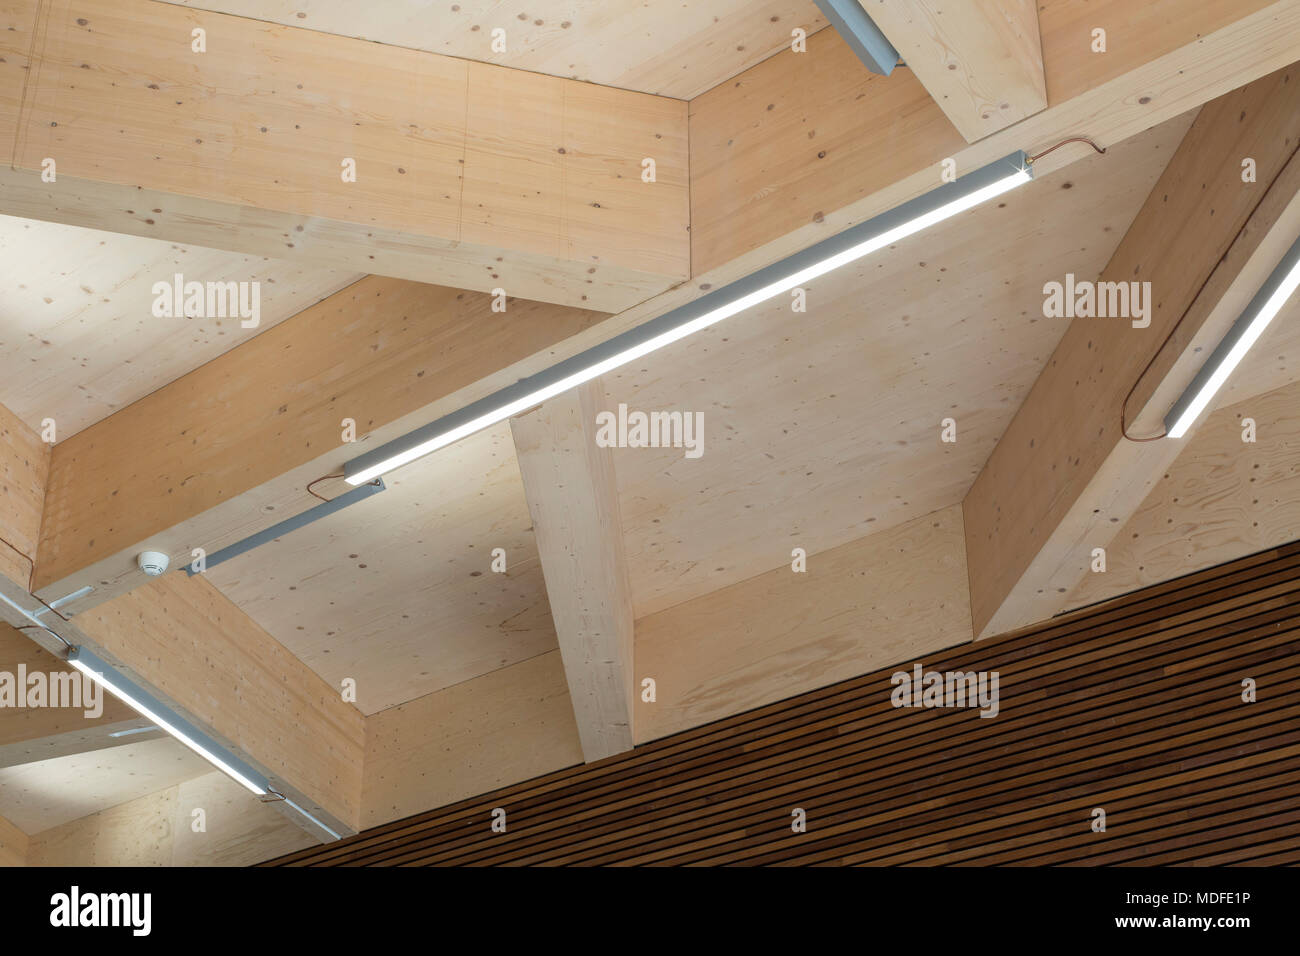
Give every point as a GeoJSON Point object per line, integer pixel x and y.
{"type": "Point", "coordinates": [41, 795]}
{"type": "Point", "coordinates": [76, 325]}
{"type": "Point", "coordinates": [397, 591]}
{"type": "Point", "coordinates": [678, 51]}
{"type": "Point", "coordinates": [821, 427]}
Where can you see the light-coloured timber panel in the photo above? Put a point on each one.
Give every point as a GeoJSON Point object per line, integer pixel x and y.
{"type": "Point", "coordinates": [158, 830]}
{"type": "Point", "coordinates": [982, 62]}
{"type": "Point", "coordinates": [240, 829]}
{"type": "Point", "coordinates": [211, 458]}
{"type": "Point", "coordinates": [1266, 236]}
{"type": "Point", "coordinates": [498, 729]}
{"type": "Point", "coordinates": [1134, 471]}
{"type": "Point", "coordinates": [13, 845]}
{"type": "Point", "coordinates": [78, 740]}
{"type": "Point", "coordinates": [397, 591]}
{"type": "Point", "coordinates": [16, 24]}
{"type": "Point", "coordinates": [185, 638]}
{"type": "Point", "coordinates": [824, 426]}
{"type": "Point", "coordinates": [623, 43]}
{"type": "Point", "coordinates": [78, 334]}
{"type": "Point", "coordinates": [882, 599]}
{"type": "Point", "coordinates": [1131, 103]}
{"type": "Point", "coordinates": [138, 832]}
{"type": "Point", "coordinates": [1135, 33]}
{"type": "Point", "coordinates": [38, 796]}
{"type": "Point", "coordinates": [798, 137]}
{"type": "Point", "coordinates": [776, 166]}
{"type": "Point", "coordinates": [1063, 468]}
{"type": "Point", "coordinates": [24, 472]}
{"type": "Point", "coordinates": [573, 500]}
{"type": "Point", "coordinates": [1221, 499]}
{"type": "Point", "coordinates": [269, 114]}
{"type": "Point", "coordinates": [30, 725]}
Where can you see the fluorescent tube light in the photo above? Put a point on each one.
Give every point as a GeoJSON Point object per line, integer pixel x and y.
{"type": "Point", "coordinates": [863, 239]}
{"type": "Point", "coordinates": [1266, 304]}
{"type": "Point", "coordinates": [135, 698]}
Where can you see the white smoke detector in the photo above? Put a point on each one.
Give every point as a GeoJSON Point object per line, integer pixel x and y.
{"type": "Point", "coordinates": [153, 563]}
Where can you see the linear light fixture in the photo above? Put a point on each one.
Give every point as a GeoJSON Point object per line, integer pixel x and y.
{"type": "Point", "coordinates": [148, 707]}
{"type": "Point", "coordinates": [164, 718]}
{"type": "Point", "coordinates": [1266, 304]}
{"type": "Point", "coordinates": [863, 239]}
{"type": "Point", "coordinates": [859, 31]}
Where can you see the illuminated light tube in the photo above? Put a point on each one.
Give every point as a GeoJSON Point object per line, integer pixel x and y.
{"type": "Point", "coordinates": [861, 240]}
{"type": "Point", "coordinates": [1266, 304]}
{"type": "Point", "coordinates": [137, 699]}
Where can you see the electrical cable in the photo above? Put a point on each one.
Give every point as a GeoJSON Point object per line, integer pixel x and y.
{"type": "Point", "coordinates": [1072, 139]}
{"type": "Point", "coordinates": [42, 627]}
{"type": "Point", "coordinates": [312, 484]}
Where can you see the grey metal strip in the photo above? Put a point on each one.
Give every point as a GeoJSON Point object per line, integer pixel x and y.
{"type": "Point", "coordinates": [290, 524]}
{"type": "Point", "coordinates": [854, 235]}
{"type": "Point", "coordinates": [860, 32]}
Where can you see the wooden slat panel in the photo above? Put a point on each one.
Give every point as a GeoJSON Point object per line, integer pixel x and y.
{"type": "Point", "coordinates": [1133, 706]}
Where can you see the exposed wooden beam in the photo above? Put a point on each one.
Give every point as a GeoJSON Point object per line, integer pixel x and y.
{"type": "Point", "coordinates": [1063, 478]}
{"type": "Point", "coordinates": [767, 182]}
{"type": "Point", "coordinates": [1220, 500]}
{"type": "Point", "coordinates": [467, 174]}
{"type": "Point", "coordinates": [805, 144]}
{"type": "Point", "coordinates": [981, 62]}
{"type": "Point", "coordinates": [573, 500]}
{"type": "Point", "coordinates": [157, 830]}
{"type": "Point", "coordinates": [184, 642]}
{"type": "Point", "coordinates": [229, 449]}
{"type": "Point", "coordinates": [508, 725]}
{"type": "Point", "coordinates": [13, 845]}
{"type": "Point", "coordinates": [24, 470]}
{"type": "Point", "coordinates": [869, 603]}
{"type": "Point", "coordinates": [29, 734]}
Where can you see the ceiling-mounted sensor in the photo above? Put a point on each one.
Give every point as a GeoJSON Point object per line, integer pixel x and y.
{"type": "Point", "coordinates": [153, 563]}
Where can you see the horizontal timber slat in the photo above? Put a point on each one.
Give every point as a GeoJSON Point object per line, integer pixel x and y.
{"type": "Point", "coordinates": [1133, 706]}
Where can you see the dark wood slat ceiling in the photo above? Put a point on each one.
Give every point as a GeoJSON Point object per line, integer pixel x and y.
{"type": "Point", "coordinates": [1133, 706]}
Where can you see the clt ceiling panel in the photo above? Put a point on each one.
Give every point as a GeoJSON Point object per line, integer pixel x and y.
{"type": "Point", "coordinates": [79, 338]}
{"type": "Point", "coordinates": [822, 427]}
{"type": "Point", "coordinates": [397, 591]}
{"type": "Point", "coordinates": [1118, 31]}
{"type": "Point", "coordinates": [677, 50]}
{"type": "Point", "coordinates": [1223, 497]}
{"type": "Point", "coordinates": [37, 796]}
